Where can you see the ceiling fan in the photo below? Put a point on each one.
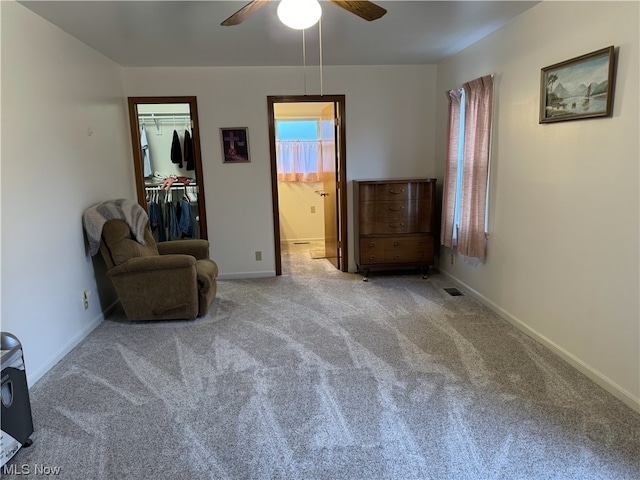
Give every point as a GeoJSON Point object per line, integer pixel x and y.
{"type": "Point", "coordinates": [364, 9]}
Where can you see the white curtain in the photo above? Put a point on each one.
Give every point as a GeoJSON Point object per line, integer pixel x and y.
{"type": "Point", "coordinates": [299, 160]}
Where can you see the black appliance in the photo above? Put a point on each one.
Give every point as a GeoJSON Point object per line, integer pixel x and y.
{"type": "Point", "coordinates": [17, 424]}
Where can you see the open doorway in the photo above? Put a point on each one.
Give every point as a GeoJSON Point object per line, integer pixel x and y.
{"type": "Point", "coordinates": [167, 164]}
{"type": "Point", "coordinates": [308, 166]}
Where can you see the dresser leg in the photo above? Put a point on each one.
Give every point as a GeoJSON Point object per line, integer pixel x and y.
{"type": "Point", "coordinates": [366, 275]}
{"type": "Point", "coordinates": [425, 273]}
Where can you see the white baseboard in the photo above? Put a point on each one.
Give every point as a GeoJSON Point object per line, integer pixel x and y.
{"type": "Point", "coordinates": [301, 240]}
{"type": "Point", "coordinates": [244, 275]}
{"type": "Point", "coordinates": [33, 377]}
{"type": "Point", "coordinates": [622, 394]}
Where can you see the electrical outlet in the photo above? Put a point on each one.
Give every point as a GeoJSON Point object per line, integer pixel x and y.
{"type": "Point", "coordinates": [258, 256]}
{"type": "Point", "coordinates": [453, 259]}
{"type": "Point", "coordinates": [85, 299]}
{"type": "Point", "coordinates": [313, 209]}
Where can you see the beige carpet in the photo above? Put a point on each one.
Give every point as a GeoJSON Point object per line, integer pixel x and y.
{"type": "Point", "coordinates": [319, 375]}
{"type": "Point", "coordinates": [314, 248]}
{"type": "Point", "coordinates": [317, 253]}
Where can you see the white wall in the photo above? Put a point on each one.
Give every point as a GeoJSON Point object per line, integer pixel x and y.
{"type": "Point", "coordinates": [301, 211]}
{"type": "Point", "coordinates": [65, 147]}
{"type": "Point", "coordinates": [390, 121]}
{"type": "Point", "coordinates": [563, 251]}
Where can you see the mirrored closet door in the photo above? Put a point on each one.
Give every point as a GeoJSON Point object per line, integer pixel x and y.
{"type": "Point", "coordinates": [168, 169]}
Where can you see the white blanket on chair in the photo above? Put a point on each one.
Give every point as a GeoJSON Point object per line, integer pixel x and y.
{"type": "Point", "coordinates": [130, 212]}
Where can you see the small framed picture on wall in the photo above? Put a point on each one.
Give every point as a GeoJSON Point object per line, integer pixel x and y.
{"type": "Point", "coordinates": [235, 144]}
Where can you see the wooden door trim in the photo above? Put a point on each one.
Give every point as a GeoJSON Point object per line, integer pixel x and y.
{"type": "Point", "coordinates": [137, 151]}
{"type": "Point", "coordinates": [339, 100]}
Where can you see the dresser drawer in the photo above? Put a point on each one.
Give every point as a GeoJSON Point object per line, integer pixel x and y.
{"type": "Point", "coordinates": [394, 250]}
{"type": "Point", "coordinates": [384, 226]}
{"type": "Point", "coordinates": [371, 250]}
{"type": "Point", "coordinates": [384, 192]}
{"type": "Point", "coordinates": [386, 209]}
{"type": "Point", "coordinates": [409, 249]}
{"type": "Point", "coordinates": [395, 192]}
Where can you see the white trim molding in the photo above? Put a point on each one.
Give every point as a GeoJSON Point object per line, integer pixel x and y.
{"type": "Point", "coordinates": [623, 395]}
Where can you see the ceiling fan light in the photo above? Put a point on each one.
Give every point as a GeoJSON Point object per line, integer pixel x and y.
{"type": "Point", "coordinates": [299, 14]}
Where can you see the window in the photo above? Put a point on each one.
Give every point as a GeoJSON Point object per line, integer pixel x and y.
{"type": "Point", "coordinates": [298, 151]}
{"type": "Point", "coordinates": [464, 205]}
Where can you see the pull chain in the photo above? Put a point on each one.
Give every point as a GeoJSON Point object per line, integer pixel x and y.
{"type": "Point", "coordinates": [320, 41]}
{"type": "Point", "coordinates": [304, 61]}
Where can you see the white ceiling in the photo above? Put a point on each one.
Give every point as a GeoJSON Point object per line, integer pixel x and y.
{"type": "Point", "coordinates": [188, 33]}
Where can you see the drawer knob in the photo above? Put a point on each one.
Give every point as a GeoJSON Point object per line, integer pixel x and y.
{"type": "Point", "coordinates": [372, 244]}
{"type": "Point", "coordinates": [396, 192]}
{"type": "Point", "coordinates": [395, 244]}
{"type": "Point", "coordinates": [396, 257]}
{"type": "Point", "coordinates": [396, 209]}
{"type": "Point", "coordinates": [396, 225]}
{"type": "Point", "coordinates": [372, 257]}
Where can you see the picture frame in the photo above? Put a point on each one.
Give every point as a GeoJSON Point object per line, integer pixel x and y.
{"type": "Point", "coordinates": [578, 88]}
{"type": "Point", "coordinates": [235, 145]}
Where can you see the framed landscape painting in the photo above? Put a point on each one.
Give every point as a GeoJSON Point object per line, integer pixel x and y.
{"type": "Point", "coordinates": [578, 88]}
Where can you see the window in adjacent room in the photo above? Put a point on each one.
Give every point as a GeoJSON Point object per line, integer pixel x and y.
{"type": "Point", "coordinates": [298, 150]}
{"type": "Point", "coordinates": [464, 204]}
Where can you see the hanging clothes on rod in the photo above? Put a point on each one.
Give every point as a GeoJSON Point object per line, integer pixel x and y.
{"type": "Point", "coordinates": [174, 229]}
{"type": "Point", "coordinates": [170, 177]}
{"type": "Point", "coordinates": [173, 212]}
{"type": "Point", "coordinates": [146, 159]}
{"type": "Point", "coordinates": [188, 151]}
{"type": "Point", "coordinates": [156, 221]}
{"type": "Point", "coordinates": [176, 150]}
{"type": "Point", "coordinates": [185, 223]}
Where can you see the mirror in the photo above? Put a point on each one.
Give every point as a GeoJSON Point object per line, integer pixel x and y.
{"type": "Point", "coordinates": [167, 161]}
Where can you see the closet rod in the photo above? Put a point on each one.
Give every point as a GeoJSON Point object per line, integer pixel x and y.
{"type": "Point", "coordinates": [177, 114]}
{"type": "Point", "coordinates": [164, 116]}
{"type": "Point", "coordinates": [173, 185]}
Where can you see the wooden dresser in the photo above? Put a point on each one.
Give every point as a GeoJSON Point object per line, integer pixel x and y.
{"type": "Point", "coordinates": [394, 223]}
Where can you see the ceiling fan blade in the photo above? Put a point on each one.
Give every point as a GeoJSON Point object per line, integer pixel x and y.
{"type": "Point", "coordinates": [364, 9]}
{"type": "Point", "coordinates": [244, 13]}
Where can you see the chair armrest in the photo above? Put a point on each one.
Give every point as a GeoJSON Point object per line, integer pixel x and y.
{"type": "Point", "coordinates": [197, 248]}
{"type": "Point", "coordinates": [153, 262]}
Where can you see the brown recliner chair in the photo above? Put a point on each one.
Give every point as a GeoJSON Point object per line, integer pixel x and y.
{"type": "Point", "coordinates": [158, 281]}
